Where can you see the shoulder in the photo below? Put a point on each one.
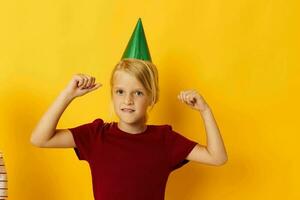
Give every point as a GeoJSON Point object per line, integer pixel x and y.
{"type": "Point", "coordinates": [94, 125]}
{"type": "Point", "coordinates": [164, 129]}
{"type": "Point", "coordinates": [95, 122]}
{"type": "Point", "coordinates": [161, 126]}
{"type": "Point", "coordinates": [98, 124]}
{"type": "Point", "coordinates": [98, 121]}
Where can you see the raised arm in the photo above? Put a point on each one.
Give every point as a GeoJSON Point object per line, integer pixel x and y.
{"type": "Point", "coordinates": [214, 153]}
{"type": "Point", "coordinates": [45, 133]}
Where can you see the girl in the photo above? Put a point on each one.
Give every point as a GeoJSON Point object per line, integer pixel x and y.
{"type": "Point", "coordinates": [129, 159]}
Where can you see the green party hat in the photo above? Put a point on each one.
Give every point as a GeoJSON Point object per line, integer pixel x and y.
{"type": "Point", "coordinates": [137, 46]}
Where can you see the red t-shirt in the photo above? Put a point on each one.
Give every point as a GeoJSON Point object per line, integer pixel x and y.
{"type": "Point", "coordinates": [130, 166]}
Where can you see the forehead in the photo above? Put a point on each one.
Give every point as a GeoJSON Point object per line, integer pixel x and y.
{"type": "Point", "coordinates": [126, 80]}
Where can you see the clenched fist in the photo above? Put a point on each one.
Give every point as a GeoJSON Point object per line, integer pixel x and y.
{"type": "Point", "coordinates": [81, 84]}
{"type": "Point", "coordinates": [193, 99]}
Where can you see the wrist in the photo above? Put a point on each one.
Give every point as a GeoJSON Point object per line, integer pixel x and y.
{"type": "Point", "coordinates": [66, 96]}
{"type": "Point", "coordinates": [205, 110]}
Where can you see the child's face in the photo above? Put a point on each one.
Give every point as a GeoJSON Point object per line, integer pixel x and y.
{"type": "Point", "coordinates": [130, 98]}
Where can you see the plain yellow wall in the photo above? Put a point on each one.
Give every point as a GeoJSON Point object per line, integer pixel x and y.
{"type": "Point", "coordinates": [242, 56]}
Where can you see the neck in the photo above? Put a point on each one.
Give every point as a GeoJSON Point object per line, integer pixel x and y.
{"type": "Point", "coordinates": [132, 128]}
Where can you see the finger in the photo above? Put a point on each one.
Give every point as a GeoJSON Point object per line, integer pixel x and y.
{"type": "Point", "coordinates": [79, 80]}
{"type": "Point", "coordinates": [192, 93]}
{"type": "Point", "coordinates": [181, 97]}
{"type": "Point", "coordinates": [89, 81]}
{"type": "Point", "coordinates": [92, 82]}
{"type": "Point", "coordinates": [96, 86]}
{"type": "Point", "coordinates": [85, 81]}
{"type": "Point", "coordinates": [191, 98]}
{"type": "Point", "coordinates": [185, 96]}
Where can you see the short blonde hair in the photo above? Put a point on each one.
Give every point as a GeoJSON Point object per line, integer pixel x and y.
{"type": "Point", "coordinates": [144, 71]}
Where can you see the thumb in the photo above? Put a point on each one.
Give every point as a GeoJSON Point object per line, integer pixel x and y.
{"type": "Point", "coordinates": [96, 86]}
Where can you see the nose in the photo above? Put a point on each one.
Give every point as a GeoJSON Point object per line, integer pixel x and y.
{"type": "Point", "coordinates": [128, 99]}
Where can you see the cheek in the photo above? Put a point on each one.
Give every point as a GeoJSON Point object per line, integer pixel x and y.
{"type": "Point", "coordinates": [116, 98]}
{"type": "Point", "coordinates": [115, 101]}
{"type": "Point", "coordinates": [144, 103]}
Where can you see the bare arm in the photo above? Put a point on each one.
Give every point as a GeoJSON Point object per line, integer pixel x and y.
{"type": "Point", "coordinates": [214, 153]}
{"type": "Point", "coordinates": [46, 128]}
{"type": "Point", "coordinates": [45, 133]}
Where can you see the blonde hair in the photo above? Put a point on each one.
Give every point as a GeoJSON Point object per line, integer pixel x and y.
{"type": "Point", "coordinates": [144, 71]}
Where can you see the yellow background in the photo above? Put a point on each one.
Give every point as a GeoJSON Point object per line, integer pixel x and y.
{"type": "Point", "coordinates": [242, 56]}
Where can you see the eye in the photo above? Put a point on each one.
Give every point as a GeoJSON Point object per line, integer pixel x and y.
{"type": "Point", "coordinates": [139, 93]}
{"type": "Point", "coordinates": [119, 91]}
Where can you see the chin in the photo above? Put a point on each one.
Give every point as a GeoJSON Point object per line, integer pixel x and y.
{"type": "Point", "coordinates": [129, 121]}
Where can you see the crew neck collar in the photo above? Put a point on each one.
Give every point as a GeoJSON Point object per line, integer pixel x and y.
{"type": "Point", "coordinates": [119, 131]}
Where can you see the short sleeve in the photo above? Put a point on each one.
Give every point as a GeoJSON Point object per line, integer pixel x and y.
{"type": "Point", "coordinates": [85, 137]}
{"type": "Point", "coordinates": [178, 148]}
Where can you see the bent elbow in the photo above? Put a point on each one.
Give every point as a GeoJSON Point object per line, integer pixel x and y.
{"type": "Point", "coordinates": [221, 162]}
{"type": "Point", "coordinates": [35, 142]}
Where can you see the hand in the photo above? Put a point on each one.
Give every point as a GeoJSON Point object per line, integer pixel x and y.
{"type": "Point", "coordinates": [81, 84]}
{"type": "Point", "coordinates": [193, 99]}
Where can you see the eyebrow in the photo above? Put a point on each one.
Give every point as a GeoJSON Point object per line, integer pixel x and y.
{"type": "Point", "coordinates": [118, 87]}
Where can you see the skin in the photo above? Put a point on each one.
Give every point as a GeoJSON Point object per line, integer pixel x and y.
{"type": "Point", "coordinates": [214, 153]}
{"type": "Point", "coordinates": [128, 92]}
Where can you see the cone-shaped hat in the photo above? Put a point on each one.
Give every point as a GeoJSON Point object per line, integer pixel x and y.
{"type": "Point", "coordinates": [137, 46]}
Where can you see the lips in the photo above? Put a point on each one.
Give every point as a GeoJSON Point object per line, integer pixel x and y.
{"type": "Point", "coordinates": [127, 110]}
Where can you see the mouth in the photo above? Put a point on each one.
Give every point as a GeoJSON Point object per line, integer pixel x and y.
{"type": "Point", "coordinates": [127, 110]}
